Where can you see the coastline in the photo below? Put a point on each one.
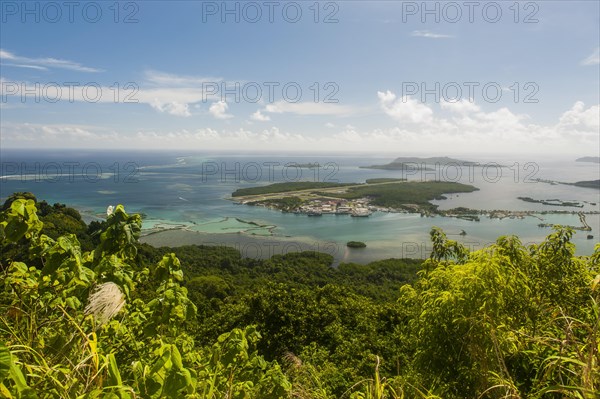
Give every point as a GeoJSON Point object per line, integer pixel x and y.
{"type": "Point", "coordinates": [405, 243]}
{"type": "Point", "coordinates": [250, 246]}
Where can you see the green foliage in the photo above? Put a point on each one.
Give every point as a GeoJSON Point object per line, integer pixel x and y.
{"type": "Point", "coordinates": [356, 244]}
{"type": "Point", "coordinates": [223, 267]}
{"type": "Point", "coordinates": [328, 325]}
{"type": "Point", "coordinates": [286, 204]}
{"type": "Point", "coordinates": [119, 344]}
{"type": "Point", "coordinates": [125, 320]}
{"type": "Point", "coordinates": [284, 187]}
{"type": "Point", "coordinates": [18, 221]}
{"type": "Point", "coordinates": [56, 220]}
{"type": "Point", "coordinates": [501, 321]}
{"type": "Point", "coordinates": [383, 180]}
{"type": "Point", "coordinates": [397, 195]}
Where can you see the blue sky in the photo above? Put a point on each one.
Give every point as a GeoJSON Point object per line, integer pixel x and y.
{"type": "Point", "coordinates": [389, 76]}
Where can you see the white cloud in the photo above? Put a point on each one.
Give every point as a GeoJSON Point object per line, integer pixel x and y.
{"type": "Point", "coordinates": [592, 59]}
{"type": "Point", "coordinates": [173, 108]}
{"type": "Point", "coordinates": [169, 79]}
{"type": "Point", "coordinates": [43, 63]}
{"type": "Point", "coordinates": [258, 116]}
{"type": "Point", "coordinates": [177, 94]}
{"type": "Point", "coordinates": [55, 135]}
{"type": "Point", "coordinates": [175, 101]}
{"type": "Point", "coordinates": [463, 106]}
{"type": "Point", "coordinates": [579, 122]}
{"type": "Point", "coordinates": [429, 35]}
{"type": "Point", "coordinates": [404, 109]}
{"type": "Point", "coordinates": [310, 108]}
{"type": "Point", "coordinates": [329, 125]}
{"type": "Point", "coordinates": [471, 128]}
{"type": "Point", "coordinates": [219, 110]}
{"type": "Point", "coordinates": [36, 67]}
{"type": "Point", "coordinates": [467, 129]}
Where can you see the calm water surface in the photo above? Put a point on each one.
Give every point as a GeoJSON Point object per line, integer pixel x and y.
{"type": "Point", "coordinates": [192, 190]}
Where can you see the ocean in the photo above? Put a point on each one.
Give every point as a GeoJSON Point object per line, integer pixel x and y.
{"type": "Point", "coordinates": [184, 198]}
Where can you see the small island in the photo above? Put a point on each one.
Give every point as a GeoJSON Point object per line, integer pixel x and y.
{"type": "Point", "coordinates": [595, 184]}
{"type": "Point", "coordinates": [588, 184]}
{"type": "Point", "coordinates": [423, 164]}
{"type": "Point", "coordinates": [356, 244]}
{"type": "Point", "coordinates": [383, 180]}
{"type": "Point", "coordinates": [286, 187]}
{"type": "Point", "coordinates": [306, 165]}
{"type": "Point", "coordinates": [588, 159]}
{"type": "Point", "coordinates": [552, 202]}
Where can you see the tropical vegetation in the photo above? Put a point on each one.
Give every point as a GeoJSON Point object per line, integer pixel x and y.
{"type": "Point", "coordinates": [113, 318]}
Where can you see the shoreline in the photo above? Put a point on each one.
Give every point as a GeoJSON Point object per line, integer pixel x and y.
{"type": "Point", "coordinates": [409, 244]}
{"type": "Point", "coordinates": [249, 246]}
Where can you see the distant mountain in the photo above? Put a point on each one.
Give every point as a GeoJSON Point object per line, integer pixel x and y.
{"type": "Point", "coordinates": [403, 163]}
{"type": "Point", "coordinates": [588, 159]}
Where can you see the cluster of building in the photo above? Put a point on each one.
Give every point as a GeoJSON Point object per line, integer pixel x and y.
{"type": "Point", "coordinates": [356, 208]}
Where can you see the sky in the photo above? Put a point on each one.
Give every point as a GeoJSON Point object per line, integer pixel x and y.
{"type": "Point", "coordinates": [403, 77]}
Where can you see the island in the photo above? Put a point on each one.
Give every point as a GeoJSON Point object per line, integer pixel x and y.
{"type": "Point", "coordinates": [552, 202]}
{"type": "Point", "coordinates": [305, 165]}
{"type": "Point", "coordinates": [587, 184]}
{"type": "Point", "coordinates": [595, 184]}
{"type": "Point", "coordinates": [354, 199]}
{"type": "Point", "coordinates": [286, 187]}
{"type": "Point", "coordinates": [588, 159]}
{"type": "Point", "coordinates": [384, 195]}
{"type": "Point", "coordinates": [383, 180]}
{"type": "Point", "coordinates": [417, 163]}
{"type": "Point", "coordinates": [356, 244]}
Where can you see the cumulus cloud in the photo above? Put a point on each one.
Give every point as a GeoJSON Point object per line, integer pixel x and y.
{"type": "Point", "coordinates": [310, 108]}
{"type": "Point", "coordinates": [173, 80]}
{"type": "Point", "coordinates": [412, 126]}
{"type": "Point", "coordinates": [469, 125]}
{"type": "Point", "coordinates": [580, 123]}
{"type": "Point", "coordinates": [258, 116]}
{"type": "Point", "coordinates": [462, 107]}
{"type": "Point", "coordinates": [173, 108]}
{"type": "Point", "coordinates": [405, 109]}
{"type": "Point", "coordinates": [166, 93]}
{"type": "Point", "coordinates": [219, 110]}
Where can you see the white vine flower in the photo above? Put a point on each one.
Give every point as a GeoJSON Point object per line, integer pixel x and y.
{"type": "Point", "coordinates": [105, 301]}
{"type": "Point", "coordinates": [109, 210]}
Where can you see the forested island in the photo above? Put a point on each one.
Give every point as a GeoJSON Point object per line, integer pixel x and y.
{"type": "Point", "coordinates": [552, 202]}
{"type": "Point", "coordinates": [285, 187]}
{"type": "Point", "coordinates": [588, 159]}
{"type": "Point", "coordinates": [417, 163]}
{"type": "Point", "coordinates": [356, 244]}
{"type": "Point", "coordinates": [588, 183]}
{"type": "Point", "coordinates": [86, 311]}
{"type": "Point", "coordinates": [314, 198]}
{"type": "Point", "coordinates": [308, 165]}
